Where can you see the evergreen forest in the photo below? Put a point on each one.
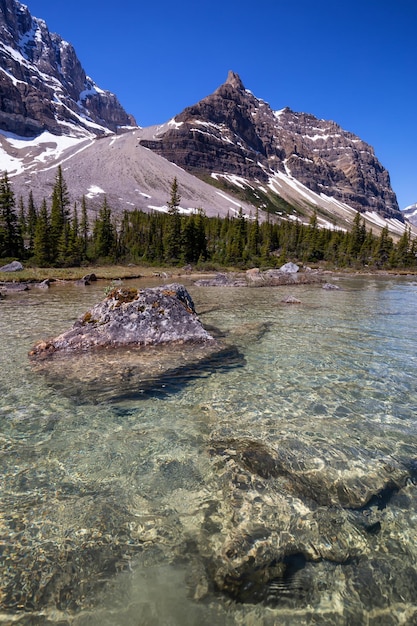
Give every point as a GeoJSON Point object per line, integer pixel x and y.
{"type": "Point", "coordinates": [56, 234]}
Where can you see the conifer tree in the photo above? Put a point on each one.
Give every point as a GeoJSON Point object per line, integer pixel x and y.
{"type": "Point", "coordinates": [41, 243]}
{"type": "Point", "coordinates": [356, 238]}
{"type": "Point", "coordinates": [254, 237]}
{"type": "Point", "coordinates": [75, 244]}
{"type": "Point", "coordinates": [401, 257]}
{"type": "Point", "coordinates": [22, 223]}
{"type": "Point", "coordinates": [31, 219]}
{"type": "Point", "coordinates": [84, 229]}
{"type": "Point", "coordinates": [173, 234]}
{"type": "Point", "coordinates": [59, 212]}
{"type": "Point", "coordinates": [383, 248]}
{"type": "Point", "coordinates": [104, 236]}
{"type": "Point", "coordinates": [63, 246]}
{"type": "Point", "coordinates": [11, 242]}
{"type": "Point", "coordinates": [200, 236]}
{"type": "Point", "coordinates": [266, 244]}
{"type": "Point", "coordinates": [189, 240]}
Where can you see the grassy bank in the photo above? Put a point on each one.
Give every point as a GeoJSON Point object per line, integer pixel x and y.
{"type": "Point", "coordinates": [107, 272]}
{"type": "Point", "coordinates": [113, 272]}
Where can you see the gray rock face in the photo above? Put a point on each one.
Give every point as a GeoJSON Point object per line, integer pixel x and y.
{"type": "Point", "coordinates": [289, 268]}
{"type": "Point", "coordinates": [131, 317]}
{"type": "Point", "coordinates": [14, 266]}
{"type": "Point", "coordinates": [233, 132]}
{"type": "Point", "coordinates": [44, 86]}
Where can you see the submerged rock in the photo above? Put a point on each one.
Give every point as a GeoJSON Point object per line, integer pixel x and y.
{"type": "Point", "coordinates": [129, 374]}
{"type": "Point", "coordinates": [132, 317]}
{"type": "Point", "coordinates": [292, 513]}
{"type": "Point", "coordinates": [14, 287]}
{"type": "Point", "coordinates": [291, 300]}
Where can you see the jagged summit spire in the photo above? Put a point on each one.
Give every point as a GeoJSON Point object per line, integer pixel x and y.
{"type": "Point", "coordinates": [234, 80]}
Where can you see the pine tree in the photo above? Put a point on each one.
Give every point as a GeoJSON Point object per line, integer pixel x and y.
{"type": "Point", "coordinates": [63, 246]}
{"type": "Point", "coordinates": [11, 242]}
{"type": "Point", "coordinates": [356, 238]}
{"type": "Point", "coordinates": [31, 219]}
{"type": "Point", "coordinates": [175, 198]}
{"type": "Point", "coordinates": [237, 238]}
{"type": "Point", "coordinates": [22, 223]}
{"type": "Point", "coordinates": [59, 212]}
{"type": "Point", "coordinates": [173, 233]}
{"type": "Point", "coordinates": [254, 237]}
{"type": "Point", "coordinates": [200, 236]}
{"type": "Point", "coordinates": [189, 241]}
{"type": "Point", "coordinates": [74, 246]}
{"type": "Point", "coordinates": [104, 235]}
{"type": "Point", "coordinates": [41, 243]}
{"type": "Point", "coordinates": [383, 247]}
{"type": "Point", "coordinates": [84, 229]}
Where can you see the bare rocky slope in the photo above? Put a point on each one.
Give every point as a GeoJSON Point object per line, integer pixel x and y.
{"type": "Point", "coordinates": [127, 174]}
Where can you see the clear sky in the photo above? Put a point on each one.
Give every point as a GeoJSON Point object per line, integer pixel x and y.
{"type": "Point", "coordinates": [352, 62]}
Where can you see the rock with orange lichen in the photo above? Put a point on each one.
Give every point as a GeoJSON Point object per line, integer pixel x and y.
{"type": "Point", "coordinates": [132, 317]}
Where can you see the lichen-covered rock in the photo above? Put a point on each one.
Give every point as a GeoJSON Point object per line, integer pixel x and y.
{"type": "Point", "coordinates": [132, 317]}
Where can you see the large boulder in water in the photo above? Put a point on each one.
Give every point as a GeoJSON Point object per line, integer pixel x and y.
{"type": "Point", "coordinates": [132, 317]}
{"type": "Point", "coordinates": [132, 344]}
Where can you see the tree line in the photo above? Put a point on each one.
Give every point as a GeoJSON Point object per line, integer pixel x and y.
{"type": "Point", "coordinates": [58, 235]}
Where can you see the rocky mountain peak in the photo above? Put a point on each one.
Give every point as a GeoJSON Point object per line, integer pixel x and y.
{"type": "Point", "coordinates": [43, 85]}
{"type": "Point", "coordinates": [233, 133]}
{"type": "Point", "coordinates": [234, 81]}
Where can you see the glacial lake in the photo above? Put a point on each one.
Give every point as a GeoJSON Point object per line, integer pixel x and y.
{"type": "Point", "coordinates": [276, 485]}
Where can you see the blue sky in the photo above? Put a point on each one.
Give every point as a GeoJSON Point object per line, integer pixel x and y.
{"type": "Point", "coordinates": [352, 62]}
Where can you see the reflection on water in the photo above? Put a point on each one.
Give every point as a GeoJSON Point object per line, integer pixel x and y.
{"type": "Point", "coordinates": [271, 483]}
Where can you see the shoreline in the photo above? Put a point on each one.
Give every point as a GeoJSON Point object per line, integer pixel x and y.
{"type": "Point", "coordinates": [36, 276]}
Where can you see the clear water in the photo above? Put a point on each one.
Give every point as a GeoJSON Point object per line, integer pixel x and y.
{"type": "Point", "coordinates": [115, 509]}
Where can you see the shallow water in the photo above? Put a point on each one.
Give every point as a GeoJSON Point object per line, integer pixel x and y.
{"type": "Point", "coordinates": [115, 509]}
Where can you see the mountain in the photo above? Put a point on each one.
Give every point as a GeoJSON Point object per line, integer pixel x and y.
{"type": "Point", "coordinates": [410, 214]}
{"type": "Point", "coordinates": [229, 150]}
{"type": "Point", "coordinates": [231, 133]}
{"type": "Point", "coordinates": [43, 86]}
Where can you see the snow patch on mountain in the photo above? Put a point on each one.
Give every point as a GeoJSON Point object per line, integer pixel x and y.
{"type": "Point", "coordinates": [20, 154]}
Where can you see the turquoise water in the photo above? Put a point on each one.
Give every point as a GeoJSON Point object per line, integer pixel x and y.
{"type": "Point", "coordinates": [137, 505]}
